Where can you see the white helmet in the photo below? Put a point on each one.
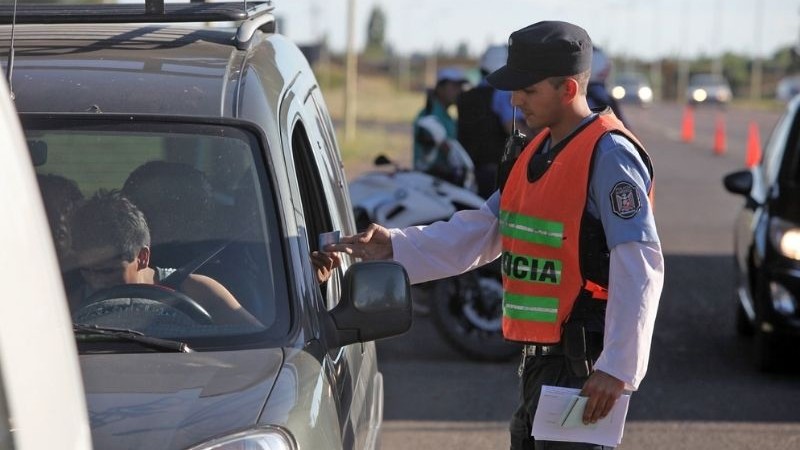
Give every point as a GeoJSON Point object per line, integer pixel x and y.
{"type": "Point", "coordinates": [435, 128]}
{"type": "Point", "coordinates": [494, 58]}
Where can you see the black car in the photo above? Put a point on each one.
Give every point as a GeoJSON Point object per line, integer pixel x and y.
{"type": "Point", "coordinates": [767, 243]}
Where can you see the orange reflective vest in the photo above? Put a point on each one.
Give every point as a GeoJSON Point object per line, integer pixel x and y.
{"type": "Point", "coordinates": [540, 224]}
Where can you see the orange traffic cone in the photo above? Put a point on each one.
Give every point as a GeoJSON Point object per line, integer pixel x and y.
{"type": "Point", "coordinates": [719, 135]}
{"type": "Point", "coordinates": [753, 156]}
{"type": "Point", "coordinates": [687, 130]}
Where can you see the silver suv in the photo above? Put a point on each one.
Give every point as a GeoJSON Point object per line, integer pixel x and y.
{"type": "Point", "coordinates": [188, 172]}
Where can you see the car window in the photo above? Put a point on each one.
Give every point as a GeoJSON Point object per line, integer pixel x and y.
{"type": "Point", "coordinates": [203, 192]}
{"type": "Point", "coordinates": [774, 148]}
{"type": "Point", "coordinates": [789, 164]}
{"type": "Point", "coordinates": [631, 79]}
{"type": "Point", "coordinates": [316, 206]}
{"type": "Point", "coordinates": [707, 80]}
{"type": "Point", "coordinates": [337, 184]}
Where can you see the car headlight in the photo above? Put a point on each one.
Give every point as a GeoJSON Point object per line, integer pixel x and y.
{"type": "Point", "coordinates": [618, 92]}
{"type": "Point", "coordinates": [785, 237]}
{"type": "Point", "coordinates": [266, 438]}
{"type": "Point", "coordinates": [645, 94]}
{"type": "Point", "coordinates": [699, 95]}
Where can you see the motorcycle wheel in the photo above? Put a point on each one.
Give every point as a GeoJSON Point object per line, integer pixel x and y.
{"type": "Point", "coordinates": [467, 311]}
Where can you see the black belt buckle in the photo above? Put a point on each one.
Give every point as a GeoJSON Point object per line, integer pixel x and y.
{"type": "Point", "coordinates": [574, 342]}
{"type": "Point", "coordinates": [542, 350]}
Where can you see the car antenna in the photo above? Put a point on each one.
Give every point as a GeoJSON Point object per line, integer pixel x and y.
{"type": "Point", "coordinates": [10, 64]}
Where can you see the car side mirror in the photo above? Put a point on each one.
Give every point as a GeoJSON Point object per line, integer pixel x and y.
{"type": "Point", "coordinates": [38, 151]}
{"type": "Point", "coordinates": [740, 182]}
{"type": "Point", "coordinates": [375, 303]}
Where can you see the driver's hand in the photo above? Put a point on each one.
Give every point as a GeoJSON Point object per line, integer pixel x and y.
{"type": "Point", "coordinates": [324, 264]}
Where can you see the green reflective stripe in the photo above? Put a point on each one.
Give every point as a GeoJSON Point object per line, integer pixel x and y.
{"type": "Point", "coordinates": [531, 229]}
{"type": "Point", "coordinates": [525, 307]}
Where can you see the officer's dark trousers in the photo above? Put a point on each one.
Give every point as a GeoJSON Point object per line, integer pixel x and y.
{"type": "Point", "coordinates": [538, 371]}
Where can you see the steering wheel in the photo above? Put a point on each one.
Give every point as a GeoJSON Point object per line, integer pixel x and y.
{"type": "Point", "coordinates": [154, 300]}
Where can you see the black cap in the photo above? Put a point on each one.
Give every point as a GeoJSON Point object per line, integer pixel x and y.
{"type": "Point", "coordinates": [542, 50]}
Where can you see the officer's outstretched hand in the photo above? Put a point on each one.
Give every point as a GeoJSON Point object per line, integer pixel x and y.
{"type": "Point", "coordinates": [373, 244]}
{"type": "Point", "coordinates": [603, 390]}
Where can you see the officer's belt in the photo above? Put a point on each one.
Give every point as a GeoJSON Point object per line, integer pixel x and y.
{"type": "Point", "coordinates": [542, 350]}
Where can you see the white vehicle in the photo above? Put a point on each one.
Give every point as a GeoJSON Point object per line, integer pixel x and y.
{"type": "Point", "coordinates": [42, 403]}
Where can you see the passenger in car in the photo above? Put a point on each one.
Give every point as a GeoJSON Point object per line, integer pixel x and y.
{"type": "Point", "coordinates": [175, 199]}
{"type": "Point", "coordinates": [111, 241]}
{"type": "Point", "coordinates": [60, 196]}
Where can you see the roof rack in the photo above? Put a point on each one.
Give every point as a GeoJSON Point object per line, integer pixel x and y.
{"type": "Point", "coordinates": [254, 15]}
{"type": "Point", "coordinates": [152, 11]}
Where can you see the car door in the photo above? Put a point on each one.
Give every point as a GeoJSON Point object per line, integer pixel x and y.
{"type": "Point", "coordinates": [364, 387]}
{"type": "Point", "coordinates": [316, 197]}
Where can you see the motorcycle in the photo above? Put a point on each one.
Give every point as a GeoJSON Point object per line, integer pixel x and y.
{"type": "Point", "coordinates": [466, 309]}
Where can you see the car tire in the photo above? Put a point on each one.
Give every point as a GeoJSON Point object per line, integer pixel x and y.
{"type": "Point", "coordinates": [766, 352]}
{"type": "Point", "coordinates": [455, 307]}
{"type": "Point", "coordinates": [743, 325]}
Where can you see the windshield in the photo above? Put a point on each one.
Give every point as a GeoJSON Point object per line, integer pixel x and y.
{"type": "Point", "coordinates": [631, 79]}
{"type": "Point", "coordinates": [162, 228]}
{"type": "Point", "coordinates": [707, 80]}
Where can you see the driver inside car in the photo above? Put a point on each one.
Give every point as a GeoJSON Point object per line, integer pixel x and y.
{"type": "Point", "coordinates": [111, 242]}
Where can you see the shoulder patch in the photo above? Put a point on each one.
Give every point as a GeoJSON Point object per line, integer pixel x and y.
{"type": "Point", "coordinates": [625, 201]}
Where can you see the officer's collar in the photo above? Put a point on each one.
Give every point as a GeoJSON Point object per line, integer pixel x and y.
{"type": "Point", "coordinates": [544, 156]}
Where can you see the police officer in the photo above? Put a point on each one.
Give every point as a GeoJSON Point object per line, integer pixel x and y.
{"type": "Point", "coordinates": [485, 121]}
{"type": "Point", "coordinates": [597, 94]}
{"type": "Point", "coordinates": [583, 268]}
{"type": "Point", "coordinates": [449, 85]}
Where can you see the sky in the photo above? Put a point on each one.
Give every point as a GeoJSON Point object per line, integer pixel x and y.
{"type": "Point", "coordinates": [646, 29]}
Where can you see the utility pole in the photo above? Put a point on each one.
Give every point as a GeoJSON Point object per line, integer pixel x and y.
{"type": "Point", "coordinates": [683, 61]}
{"type": "Point", "coordinates": [655, 67]}
{"type": "Point", "coordinates": [716, 39]}
{"type": "Point", "coordinates": [351, 75]}
{"type": "Point", "coordinates": [756, 69]}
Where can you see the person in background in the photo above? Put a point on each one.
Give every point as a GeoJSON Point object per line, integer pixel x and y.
{"type": "Point", "coordinates": [486, 120]}
{"type": "Point", "coordinates": [582, 264]}
{"type": "Point", "coordinates": [427, 156]}
{"type": "Point", "coordinates": [597, 94]}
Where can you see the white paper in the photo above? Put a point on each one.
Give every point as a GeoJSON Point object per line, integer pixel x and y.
{"type": "Point", "coordinates": [572, 416]}
{"type": "Point", "coordinates": [555, 419]}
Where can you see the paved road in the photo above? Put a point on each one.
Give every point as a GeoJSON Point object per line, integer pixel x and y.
{"type": "Point", "coordinates": [701, 391]}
